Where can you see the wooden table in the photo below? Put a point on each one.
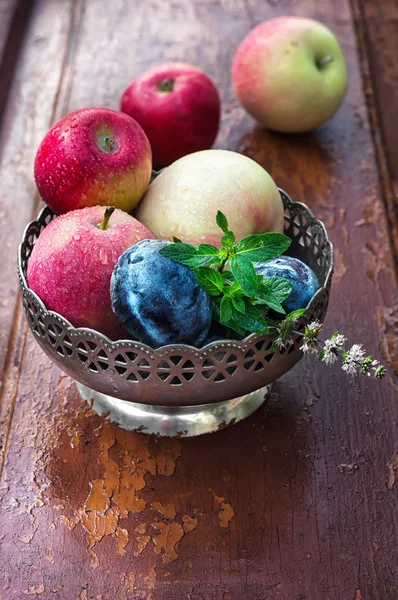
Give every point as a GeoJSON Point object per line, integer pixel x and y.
{"type": "Point", "coordinates": [299, 502]}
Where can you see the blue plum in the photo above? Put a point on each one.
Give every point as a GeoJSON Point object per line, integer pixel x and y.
{"type": "Point", "coordinates": [305, 282]}
{"type": "Point", "coordinates": [158, 300]}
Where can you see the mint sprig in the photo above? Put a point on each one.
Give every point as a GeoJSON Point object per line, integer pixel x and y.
{"type": "Point", "coordinates": [241, 297]}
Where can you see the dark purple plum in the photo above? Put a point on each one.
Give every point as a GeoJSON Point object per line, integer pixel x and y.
{"type": "Point", "coordinates": [216, 333]}
{"type": "Point", "coordinates": [157, 300]}
{"type": "Point", "coordinates": [304, 280]}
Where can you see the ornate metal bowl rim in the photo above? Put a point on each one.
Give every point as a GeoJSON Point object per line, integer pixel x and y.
{"type": "Point", "coordinates": [157, 351]}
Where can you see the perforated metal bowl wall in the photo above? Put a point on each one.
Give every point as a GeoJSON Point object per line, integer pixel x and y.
{"type": "Point", "coordinates": [178, 375]}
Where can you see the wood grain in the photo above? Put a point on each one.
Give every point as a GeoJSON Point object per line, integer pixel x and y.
{"type": "Point", "coordinates": [292, 503]}
{"type": "Point", "coordinates": [377, 29]}
{"type": "Point", "coordinates": [14, 19]}
{"type": "Point", "coordinates": [7, 8]}
{"type": "Point", "coordinates": [32, 99]}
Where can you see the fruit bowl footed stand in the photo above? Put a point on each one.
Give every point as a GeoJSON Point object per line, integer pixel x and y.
{"type": "Point", "coordinates": [178, 390]}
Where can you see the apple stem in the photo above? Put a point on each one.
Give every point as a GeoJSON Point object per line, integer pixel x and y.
{"type": "Point", "coordinates": [322, 62]}
{"type": "Point", "coordinates": [166, 85]}
{"type": "Point", "coordinates": [108, 213]}
{"type": "Point", "coordinates": [107, 144]}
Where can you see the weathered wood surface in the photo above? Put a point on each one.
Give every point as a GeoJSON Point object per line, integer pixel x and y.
{"type": "Point", "coordinates": [377, 28]}
{"type": "Point", "coordinates": [7, 8]}
{"type": "Point", "coordinates": [298, 502]}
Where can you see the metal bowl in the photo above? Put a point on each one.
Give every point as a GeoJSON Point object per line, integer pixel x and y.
{"type": "Point", "coordinates": [177, 389]}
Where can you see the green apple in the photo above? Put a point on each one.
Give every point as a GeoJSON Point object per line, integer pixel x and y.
{"type": "Point", "coordinates": [184, 199]}
{"type": "Point", "coordinates": [290, 74]}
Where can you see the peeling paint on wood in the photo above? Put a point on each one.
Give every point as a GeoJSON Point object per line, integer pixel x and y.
{"type": "Point", "coordinates": [226, 511]}
{"type": "Point", "coordinates": [122, 541]}
{"type": "Point", "coordinates": [35, 590]}
{"type": "Point", "coordinates": [388, 323]}
{"type": "Point", "coordinates": [167, 510]}
{"type": "Point", "coordinates": [166, 543]}
{"type": "Point", "coordinates": [116, 495]}
{"type": "Point", "coordinates": [392, 472]}
{"type": "Point", "coordinates": [189, 523]}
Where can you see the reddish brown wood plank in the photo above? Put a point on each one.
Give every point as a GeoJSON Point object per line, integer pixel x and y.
{"type": "Point", "coordinates": [377, 28]}
{"type": "Point", "coordinates": [290, 504]}
{"type": "Point", "coordinates": [29, 111]}
{"type": "Point", "coordinates": [7, 8]}
{"type": "Point", "coordinates": [14, 19]}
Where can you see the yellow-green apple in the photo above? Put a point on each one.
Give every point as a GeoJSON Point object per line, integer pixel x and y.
{"type": "Point", "coordinates": [178, 107]}
{"type": "Point", "coordinates": [184, 199]}
{"type": "Point", "coordinates": [72, 261]}
{"type": "Point", "coordinates": [93, 156]}
{"type": "Point", "coordinates": [290, 74]}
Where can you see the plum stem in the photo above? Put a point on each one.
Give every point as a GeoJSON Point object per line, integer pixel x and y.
{"type": "Point", "coordinates": [108, 213]}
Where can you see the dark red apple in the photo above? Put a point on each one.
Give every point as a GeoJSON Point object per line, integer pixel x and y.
{"type": "Point", "coordinates": [72, 262]}
{"type": "Point", "coordinates": [93, 156]}
{"type": "Point", "coordinates": [178, 107]}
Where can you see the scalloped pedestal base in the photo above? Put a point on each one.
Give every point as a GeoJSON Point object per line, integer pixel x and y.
{"type": "Point", "coordinates": [174, 421]}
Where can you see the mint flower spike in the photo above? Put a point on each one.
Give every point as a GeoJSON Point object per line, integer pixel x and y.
{"type": "Point", "coordinates": [379, 372]}
{"type": "Point", "coordinates": [353, 361]}
{"type": "Point", "coordinates": [311, 333]}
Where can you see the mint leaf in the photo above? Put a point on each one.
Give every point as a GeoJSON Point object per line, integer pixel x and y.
{"type": "Point", "coordinates": [263, 246]}
{"type": "Point", "coordinates": [273, 291]}
{"type": "Point", "coordinates": [176, 240]}
{"type": "Point", "coordinates": [244, 273]}
{"type": "Point", "coordinates": [226, 309]}
{"type": "Point", "coordinates": [239, 304]}
{"type": "Point", "coordinates": [207, 250]}
{"type": "Point", "coordinates": [210, 280]}
{"type": "Point", "coordinates": [228, 276]}
{"type": "Point", "coordinates": [253, 320]}
{"type": "Point", "coordinates": [179, 251]}
{"type": "Point", "coordinates": [241, 297]}
{"type": "Point", "coordinates": [186, 254]}
{"type": "Point", "coordinates": [228, 240]}
{"type": "Point", "coordinates": [233, 289]}
{"type": "Point", "coordinates": [222, 221]}
{"type": "Point", "coordinates": [233, 325]}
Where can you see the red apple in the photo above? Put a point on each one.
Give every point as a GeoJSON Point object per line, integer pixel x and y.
{"type": "Point", "coordinates": [93, 156]}
{"type": "Point", "coordinates": [72, 262]}
{"type": "Point", "coordinates": [178, 106]}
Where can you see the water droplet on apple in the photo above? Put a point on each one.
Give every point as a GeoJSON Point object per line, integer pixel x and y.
{"type": "Point", "coordinates": [103, 256]}
{"type": "Point", "coordinates": [76, 237]}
